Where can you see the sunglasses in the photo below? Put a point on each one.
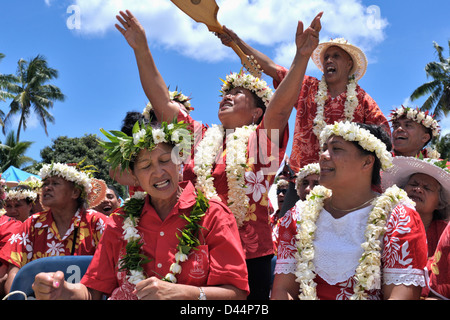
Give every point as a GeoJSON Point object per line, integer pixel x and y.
{"type": "Point", "coordinates": [283, 191]}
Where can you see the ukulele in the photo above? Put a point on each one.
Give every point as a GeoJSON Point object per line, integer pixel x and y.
{"type": "Point", "coordinates": [205, 11]}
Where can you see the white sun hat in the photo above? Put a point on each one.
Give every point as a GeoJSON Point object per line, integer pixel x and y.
{"type": "Point", "coordinates": [357, 55]}
{"type": "Point", "coordinates": [404, 167]}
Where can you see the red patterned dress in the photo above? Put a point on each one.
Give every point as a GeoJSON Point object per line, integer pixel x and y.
{"type": "Point", "coordinates": [38, 237]}
{"type": "Point", "coordinates": [305, 145]}
{"type": "Point", "coordinates": [440, 267]}
{"type": "Point", "coordinates": [338, 249]}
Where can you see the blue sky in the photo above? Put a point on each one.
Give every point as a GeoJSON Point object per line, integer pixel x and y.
{"type": "Point", "coordinates": [98, 74]}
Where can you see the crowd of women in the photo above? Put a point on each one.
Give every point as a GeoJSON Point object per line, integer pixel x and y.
{"type": "Point", "coordinates": [362, 211]}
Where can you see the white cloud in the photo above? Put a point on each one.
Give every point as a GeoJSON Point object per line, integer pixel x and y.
{"type": "Point", "coordinates": [265, 22]}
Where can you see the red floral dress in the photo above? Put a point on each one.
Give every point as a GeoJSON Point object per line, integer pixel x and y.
{"type": "Point", "coordinates": [38, 237]}
{"type": "Point", "coordinates": [264, 159]}
{"type": "Point", "coordinates": [440, 267]}
{"type": "Point", "coordinates": [403, 258]}
{"type": "Point", "coordinates": [305, 145]}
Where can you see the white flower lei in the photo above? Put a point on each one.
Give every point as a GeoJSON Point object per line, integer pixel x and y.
{"type": "Point", "coordinates": [21, 195]}
{"type": "Point", "coordinates": [352, 132]}
{"type": "Point", "coordinates": [351, 103]}
{"type": "Point", "coordinates": [69, 173]}
{"type": "Point", "coordinates": [236, 160]}
{"type": "Point", "coordinates": [368, 273]}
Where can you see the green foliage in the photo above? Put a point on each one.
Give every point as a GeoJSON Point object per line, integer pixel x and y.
{"type": "Point", "coordinates": [443, 146]}
{"type": "Point", "coordinates": [12, 153]}
{"type": "Point", "coordinates": [438, 89]}
{"type": "Point", "coordinates": [30, 91]}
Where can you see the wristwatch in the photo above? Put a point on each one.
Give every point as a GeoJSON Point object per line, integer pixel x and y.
{"type": "Point", "coordinates": [202, 295]}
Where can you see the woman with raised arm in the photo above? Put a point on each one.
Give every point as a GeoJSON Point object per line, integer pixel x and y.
{"type": "Point", "coordinates": [353, 243]}
{"type": "Point", "coordinates": [246, 149]}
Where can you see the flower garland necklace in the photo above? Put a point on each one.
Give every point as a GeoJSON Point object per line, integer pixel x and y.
{"type": "Point", "coordinates": [351, 103]}
{"type": "Point", "coordinates": [236, 163]}
{"type": "Point", "coordinates": [134, 259]}
{"type": "Point", "coordinates": [368, 273]}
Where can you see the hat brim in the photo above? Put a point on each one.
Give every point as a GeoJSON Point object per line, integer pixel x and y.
{"type": "Point", "coordinates": [357, 55]}
{"type": "Point", "coordinates": [98, 192]}
{"type": "Point", "coordinates": [404, 167]}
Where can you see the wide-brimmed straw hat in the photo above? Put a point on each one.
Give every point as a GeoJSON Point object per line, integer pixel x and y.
{"type": "Point", "coordinates": [405, 167]}
{"type": "Point", "coordinates": [357, 55]}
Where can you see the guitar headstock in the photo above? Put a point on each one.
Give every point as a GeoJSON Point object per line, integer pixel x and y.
{"type": "Point", "coordinates": [252, 66]}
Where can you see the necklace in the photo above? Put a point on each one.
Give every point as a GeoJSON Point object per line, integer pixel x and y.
{"type": "Point", "coordinates": [133, 260]}
{"type": "Point", "coordinates": [351, 103]}
{"type": "Point", "coordinates": [352, 209]}
{"type": "Point", "coordinates": [236, 163]}
{"type": "Point", "coordinates": [368, 273]}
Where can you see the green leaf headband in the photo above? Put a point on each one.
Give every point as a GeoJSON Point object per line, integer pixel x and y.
{"type": "Point", "coordinates": [122, 149]}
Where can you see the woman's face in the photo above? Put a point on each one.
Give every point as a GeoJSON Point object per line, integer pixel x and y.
{"type": "Point", "coordinates": [156, 173]}
{"type": "Point", "coordinates": [57, 192]}
{"type": "Point", "coordinates": [341, 163]}
{"type": "Point", "coordinates": [18, 209]}
{"type": "Point", "coordinates": [238, 108]}
{"type": "Point", "coordinates": [424, 191]}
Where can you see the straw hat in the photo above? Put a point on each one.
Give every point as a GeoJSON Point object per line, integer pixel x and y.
{"type": "Point", "coordinates": [358, 56]}
{"type": "Point", "coordinates": [404, 167]}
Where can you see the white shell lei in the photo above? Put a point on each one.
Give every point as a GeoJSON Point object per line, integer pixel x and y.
{"type": "Point", "coordinates": [351, 103]}
{"type": "Point", "coordinates": [368, 273]}
{"type": "Point", "coordinates": [236, 162]}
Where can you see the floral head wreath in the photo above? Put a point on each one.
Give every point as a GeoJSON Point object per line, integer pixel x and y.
{"type": "Point", "coordinates": [350, 131]}
{"type": "Point", "coordinates": [93, 191]}
{"type": "Point", "coordinates": [309, 169]}
{"type": "Point", "coordinates": [2, 190]}
{"type": "Point", "coordinates": [67, 172]}
{"type": "Point", "coordinates": [421, 117]}
{"type": "Point", "coordinates": [21, 194]}
{"type": "Point", "coordinates": [249, 82]}
{"type": "Point", "coordinates": [175, 96]}
{"type": "Point", "coordinates": [122, 149]}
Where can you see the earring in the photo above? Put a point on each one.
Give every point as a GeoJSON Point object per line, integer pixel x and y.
{"type": "Point", "coordinates": [253, 119]}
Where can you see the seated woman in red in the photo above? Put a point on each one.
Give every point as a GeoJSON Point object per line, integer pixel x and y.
{"type": "Point", "coordinates": [352, 243]}
{"type": "Point", "coordinates": [168, 242]}
{"type": "Point", "coordinates": [67, 227]}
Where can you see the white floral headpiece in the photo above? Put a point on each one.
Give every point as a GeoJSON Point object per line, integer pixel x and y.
{"type": "Point", "coordinates": [249, 82]}
{"type": "Point", "coordinates": [69, 173]}
{"type": "Point", "coordinates": [421, 117]}
{"type": "Point", "coordinates": [350, 131]}
{"type": "Point", "coordinates": [22, 194]}
{"type": "Point", "coordinates": [309, 169]}
{"type": "Point", "coordinates": [175, 96]}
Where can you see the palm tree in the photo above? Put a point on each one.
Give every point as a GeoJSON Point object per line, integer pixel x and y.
{"type": "Point", "coordinates": [12, 153]}
{"type": "Point", "coordinates": [438, 89]}
{"type": "Point", "coordinates": [5, 80]}
{"type": "Point", "coordinates": [31, 93]}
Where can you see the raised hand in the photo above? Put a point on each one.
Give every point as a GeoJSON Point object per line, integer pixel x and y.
{"type": "Point", "coordinates": [132, 30]}
{"type": "Point", "coordinates": [308, 40]}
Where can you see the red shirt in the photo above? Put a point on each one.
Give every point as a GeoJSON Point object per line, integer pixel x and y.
{"type": "Point", "coordinates": [440, 266]}
{"type": "Point", "coordinates": [264, 159]}
{"type": "Point", "coordinates": [305, 145]}
{"type": "Point", "coordinates": [38, 237]}
{"type": "Point", "coordinates": [219, 259]}
{"type": "Point", "coordinates": [8, 226]}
